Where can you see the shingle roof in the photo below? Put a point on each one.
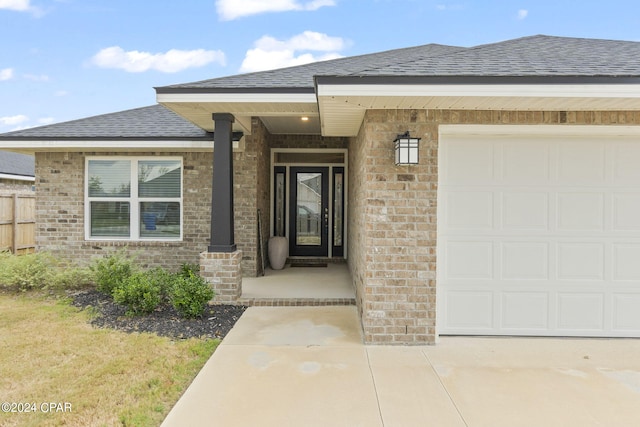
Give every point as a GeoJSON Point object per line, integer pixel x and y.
{"type": "Point", "coordinates": [538, 55]}
{"type": "Point", "coordinates": [528, 56]}
{"type": "Point", "coordinates": [152, 122]}
{"type": "Point", "coordinates": [301, 76]}
{"type": "Point", "coordinates": [17, 164]}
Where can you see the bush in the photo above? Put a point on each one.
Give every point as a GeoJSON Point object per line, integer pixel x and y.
{"type": "Point", "coordinates": [186, 270]}
{"type": "Point", "coordinates": [140, 292]}
{"type": "Point", "coordinates": [112, 270]}
{"type": "Point", "coordinates": [190, 294]}
{"type": "Point", "coordinates": [40, 271]}
{"type": "Point", "coordinates": [25, 272]}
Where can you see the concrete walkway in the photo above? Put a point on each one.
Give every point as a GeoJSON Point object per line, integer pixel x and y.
{"type": "Point", "coordinates": [307, 366]}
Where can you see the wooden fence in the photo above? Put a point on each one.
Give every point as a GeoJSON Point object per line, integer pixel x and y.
{"type": "Point", "coordinates": [17, 223]}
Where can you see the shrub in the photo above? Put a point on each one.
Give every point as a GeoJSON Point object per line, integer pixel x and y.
{"type": "Point", "coordinates": [164, 280]}
{"type": "Point", "coordinates": [190, 294]}
{"type": "Point", "coordinates": [140, 292]}
{"type": "Point", "coordinates": [186, 270]}
{"type": "Point", "coordinates": [40, 271]}
{"type": "Point", "coordinates": [68, 277]}
{"type": "Point", "coordinates": [112, 270]}
{"type": "Point", "coordinates": [25, 272]}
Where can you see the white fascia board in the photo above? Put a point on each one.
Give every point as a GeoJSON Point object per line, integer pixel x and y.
{"type": "Point", "coordinates": [17, 177]}
{"type": "Point", "coordinates": [119, 145]}
{"type": "Point", "coordinates": [540, 130]}
{"type": "Point", "coordinates": [504, 90]}
{"type": "Point", "coordinates": [275, 98]}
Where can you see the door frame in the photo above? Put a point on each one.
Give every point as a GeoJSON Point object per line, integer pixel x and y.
{"type": "Point", "coordinates": [287, 165]}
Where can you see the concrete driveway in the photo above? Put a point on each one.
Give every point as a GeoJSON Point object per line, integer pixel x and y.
{"type": "Point", "coordinates": [307, 366]}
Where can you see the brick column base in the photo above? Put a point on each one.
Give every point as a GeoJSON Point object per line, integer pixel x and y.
{"type": "Point", "coordinates": [222, 271]}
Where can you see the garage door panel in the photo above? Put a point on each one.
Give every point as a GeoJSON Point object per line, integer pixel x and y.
{"type": "Point", "coordinates": [581, 260]}
{"type": "Point", "coordinates": [469, 209]}
{"type": "Point", "coordinates": [626, 211]}
{"type": "Point", "coordinates": [539, 237]}
{"type": "Point", "coordinates": [525, 163]}
{"type": "Point", "coordinates": [626, 262]}
{"type": "Point", "coordinates": [470, 310]}
{"type": "Point", "coordinates": [525, 260]}
{"type": "Point", "coordinates": [581, 163]}
{"type": "Point", "coordinates": [626, 160]}
{"type": "Point", "coordinates": [522, 311]}
{"type": "Point", "coordinates": [470, 161]}
{"type": "Point", "coordinates": [469, 260]}
{"type": "Point", "coordinates": [525, 211]}
{"type": "Point", "coordinates": [580, 211]}
{"type": "Point", "coordinates": [626, 315]}
{"type": "Point", "coordinates": [578, 311]}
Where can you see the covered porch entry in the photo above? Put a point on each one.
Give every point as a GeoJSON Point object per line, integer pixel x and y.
{"type": "Point", "coordinates": [308, 206]}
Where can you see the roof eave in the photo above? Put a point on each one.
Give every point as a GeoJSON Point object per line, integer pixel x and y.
{"type": "Point", "coordinates": [238, 90]}
{"type": "Point", "coordinates": [475, 80]}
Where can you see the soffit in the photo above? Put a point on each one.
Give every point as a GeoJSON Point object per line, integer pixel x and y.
{"type": "Point", "coordinates": [280, 113]}
{"type": "Point", "coordinates": [342, 108]}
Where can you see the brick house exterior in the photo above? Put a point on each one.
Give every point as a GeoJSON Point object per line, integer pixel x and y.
{"type": "Point", "coordinates": [403, 243]}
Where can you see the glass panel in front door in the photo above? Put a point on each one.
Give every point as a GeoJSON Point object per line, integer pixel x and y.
{"type": "Point", "coordinates": [309, 214]}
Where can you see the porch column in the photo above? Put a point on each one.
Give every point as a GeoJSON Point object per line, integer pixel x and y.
{"type": "Point", "coordinates": [222, 239]}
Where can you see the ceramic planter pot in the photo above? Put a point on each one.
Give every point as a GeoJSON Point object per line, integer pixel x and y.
{"type": "Point", "coordinates": [278, 252]}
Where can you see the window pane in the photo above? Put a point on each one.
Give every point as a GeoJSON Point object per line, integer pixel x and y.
{"type": "Point", "coordinates": [280, 204]}
{"type": "Point", "coordinates": [337, 209]}
{"type": "Point", "coordinates": [309, 209]}
{"type": "Point", "coordinates": [109, 178]}
{"type": "Point", "coordinates": [110, 219]}
{"type": "Point", "coordinates": [309, 158]}
{"type": "Point", "coordinates": [160, 219]}
{"type": "Point", "coordinates": [159, 178]}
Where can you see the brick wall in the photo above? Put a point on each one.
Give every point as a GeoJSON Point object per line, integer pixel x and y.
{"type": "Point", "coordinates": [60, 210]}
{"type": "Point", "coordinates": [392, 214]}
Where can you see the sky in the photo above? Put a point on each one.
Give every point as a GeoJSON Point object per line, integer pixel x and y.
{"type": "Point", "coordinates": [62, 60]}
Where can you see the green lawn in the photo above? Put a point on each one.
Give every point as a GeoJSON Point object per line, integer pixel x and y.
{"type": "Point", "coordinates": [49, 353]}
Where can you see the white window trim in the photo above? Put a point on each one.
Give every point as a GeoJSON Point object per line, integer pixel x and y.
{"type": "Point", "coordinates": [133, 200]}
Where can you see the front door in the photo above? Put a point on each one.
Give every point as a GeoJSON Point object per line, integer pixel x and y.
{"type": "Point", "coordinates": [309, 211]}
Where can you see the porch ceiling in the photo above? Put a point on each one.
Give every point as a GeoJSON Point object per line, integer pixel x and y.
{"type": "Point", "coordinates": [280, 114]}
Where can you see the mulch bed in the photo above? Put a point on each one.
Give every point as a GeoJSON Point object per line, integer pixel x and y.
{"type": "Point", "coordinates": [216, 321]}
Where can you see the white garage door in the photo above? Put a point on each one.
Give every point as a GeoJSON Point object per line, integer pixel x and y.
{"type": "Point", "coordinates": [539, 235]}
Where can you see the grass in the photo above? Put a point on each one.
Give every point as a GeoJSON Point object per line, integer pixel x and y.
{"type": "Point", "coordinates": [50, 353]}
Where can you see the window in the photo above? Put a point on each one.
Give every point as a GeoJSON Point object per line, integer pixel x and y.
{"type": "Point", "coordinates": [134, 198]}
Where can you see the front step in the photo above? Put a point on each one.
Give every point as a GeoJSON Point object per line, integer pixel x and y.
{"type": "Point", "coordinates": [294, 302]}
{"type": "Point", "coordinates": [310, 261]}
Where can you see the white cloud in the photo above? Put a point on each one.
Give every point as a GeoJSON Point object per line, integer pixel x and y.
{"type": "Point", "coordinates": [13, 120]}
{"type": "Point", "coordinates": [61, 93]}
{"type": "Point", "coordinates": [17, 5]}
{"type": "Point", "coordinates": [21, 6]}
{"type": "Point", "coordinates": [270, 53]}
{"type": "Point", "coordinates": [232, 9]}
{"type": "Point", "coordinates": [171, 61]}
{"type": "Point", "coordinates": [6, 74]}
{"type": "Point", "coordinates": [522, 14]}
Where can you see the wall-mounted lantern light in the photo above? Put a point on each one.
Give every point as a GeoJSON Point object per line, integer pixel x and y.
{"type": "Point", "coordinates": [406, 149]}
